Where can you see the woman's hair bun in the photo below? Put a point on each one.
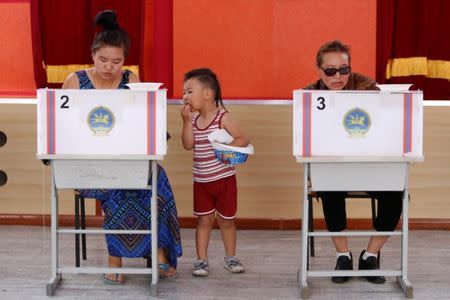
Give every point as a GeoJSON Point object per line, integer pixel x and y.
{"type": "Point", "coordinates": [107, 19]}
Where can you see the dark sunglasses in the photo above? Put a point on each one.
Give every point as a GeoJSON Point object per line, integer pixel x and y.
{"type": "Point", "coordinates": [342, 70]}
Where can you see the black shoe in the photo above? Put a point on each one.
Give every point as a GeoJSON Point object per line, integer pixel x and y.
{"type": "Point", "coordinates": [371, 263]}
{"type": "Point", "coordinates": [343, 263]}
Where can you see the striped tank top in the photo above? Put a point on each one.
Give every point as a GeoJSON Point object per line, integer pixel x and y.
{"type": "Point", "coordinates": [207, 167]}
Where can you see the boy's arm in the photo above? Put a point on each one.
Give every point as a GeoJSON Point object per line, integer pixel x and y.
{"type": "Point", "coordinates": [240, 139]}
{"type": "Point", "coordinates": [187, 135]}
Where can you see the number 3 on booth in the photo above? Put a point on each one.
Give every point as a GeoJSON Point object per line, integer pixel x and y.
{"type": "Point", "coordinates": [320, 104]}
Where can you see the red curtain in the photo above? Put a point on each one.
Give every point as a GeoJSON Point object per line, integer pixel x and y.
{"type": "Point", "coordinates": [413, 45]}
{"type": "Point", "coordinates": [40, 77]}
{"type": "Point", "coordinates": [162, 44]}
{"type": "Point", "coordinates": [67, 28]}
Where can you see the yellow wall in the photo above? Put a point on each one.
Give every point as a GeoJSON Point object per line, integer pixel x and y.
{"type": "Point", "coordinates": [270, 183]}
{"type": "Point", "coordinates": [27, 190]}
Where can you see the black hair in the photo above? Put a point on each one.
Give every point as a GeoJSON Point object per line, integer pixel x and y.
{"type": "Point", "coordinates": [111, 34]}
{"type": "Point", "coordinates": [209, 79]}
{"type": "Point", "coordinates": [332, 46]}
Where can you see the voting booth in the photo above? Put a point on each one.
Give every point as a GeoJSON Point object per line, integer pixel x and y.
{"type": "Point", "coordinates": [356, 141]}
{"type": "Point", "coordinates": [101, 139]}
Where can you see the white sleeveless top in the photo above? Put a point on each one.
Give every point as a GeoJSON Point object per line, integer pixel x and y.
{"type": "Point", "coordinates": [206, 166]}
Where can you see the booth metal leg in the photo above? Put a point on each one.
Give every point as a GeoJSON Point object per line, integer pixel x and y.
{"type": "Point", "coordinates": [77, 235]}
{"type": "Point", "coordinates": [154, 289]}
{"type": "Point", "coordinates": [302, 273]}
{"type": "Point", "coordinates": [311, 227]}
{"type": "Point", "coordinates": [304, 289]}
{"type": "Point", "coordinates": [406, 286]}
{"type": "Point", "coordinates": [154, 222]}
{"type": "Point", "coordinates": [55, 278]}
{"type": "Point", "coordinates": [52, 284]}
{"type": "Point", "coordinates": [403, 281]}
{"type": "Point", "coordinates": [83, 226]}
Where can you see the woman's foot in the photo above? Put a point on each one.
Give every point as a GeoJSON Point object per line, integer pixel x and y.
{"type": "Point", "coordinates": [113, 278]}
{"type": "Point", "coordinates": [166, 271]}
{"type": "Point", "coordinates": [114, 262]}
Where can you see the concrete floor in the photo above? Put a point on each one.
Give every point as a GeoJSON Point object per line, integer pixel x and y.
{"type": "Point", "coordinates": [271, 258]}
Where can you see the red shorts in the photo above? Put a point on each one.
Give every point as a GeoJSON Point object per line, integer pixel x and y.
{"type": "Point", "coordinates": [220, 195]}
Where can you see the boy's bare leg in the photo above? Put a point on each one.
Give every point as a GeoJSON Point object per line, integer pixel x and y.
{"type": "Point", "coordinates": [204, 226]}
{"type": "Point", "coordinates": [228, 231]}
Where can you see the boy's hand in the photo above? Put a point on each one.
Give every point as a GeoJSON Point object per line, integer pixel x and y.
{"type": "Point", "coordinates": [186, 112]}
{"type": "Point", "coordinates": [187, 135]}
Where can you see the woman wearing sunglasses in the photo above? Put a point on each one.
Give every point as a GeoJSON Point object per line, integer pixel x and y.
{"type": "Point", "coordinates": [333, 65]}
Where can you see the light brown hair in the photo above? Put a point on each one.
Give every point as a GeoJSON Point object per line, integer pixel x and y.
{"type": "Point", "coordinates": [332, 46]}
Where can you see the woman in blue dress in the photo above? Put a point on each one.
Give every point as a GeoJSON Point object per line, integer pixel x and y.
{"type": "Point", "coordinates": [127, 209]}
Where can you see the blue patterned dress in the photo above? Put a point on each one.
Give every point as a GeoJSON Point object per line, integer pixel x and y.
{"type": "Point", "coordinates": [130, 209]}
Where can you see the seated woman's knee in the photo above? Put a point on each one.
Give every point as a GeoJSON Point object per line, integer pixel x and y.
{"type": "Point", "coordinates": [386, 225]}
{"type": "Point", "coordinates": [336, 227]}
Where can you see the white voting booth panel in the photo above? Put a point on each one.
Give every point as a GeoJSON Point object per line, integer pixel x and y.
{"type": "Point", "coordinates": [361, 127]}
{"type": "Point", "coordinates": [357, 123]}
{"type": "Point", "coordinates": [355, 176]}
{"type": "Point", "coordinates": [102, 139]}
{"type": "Point", "coordinates": [101, 122]}
{"type": "Point", "coordinates": [101, 174]}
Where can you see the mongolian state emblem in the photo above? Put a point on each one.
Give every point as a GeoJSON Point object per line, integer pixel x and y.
{"type": "Point", "coordinates": [357, 122]}
{"type": "Point", "coordinates": [101, 120]}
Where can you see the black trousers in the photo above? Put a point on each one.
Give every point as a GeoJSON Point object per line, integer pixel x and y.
{"type": "Point", "coordinates": [388, 211]}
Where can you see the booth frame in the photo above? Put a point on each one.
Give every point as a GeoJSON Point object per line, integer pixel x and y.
{"type": "Point", "coordinates": [402, 273]}
{"type": "Point", "coordinates": [342, 171]}
{"type": "Point", "coordinates": [119, 169]}
{"type": "Point", "coordinates": [56, 269]}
